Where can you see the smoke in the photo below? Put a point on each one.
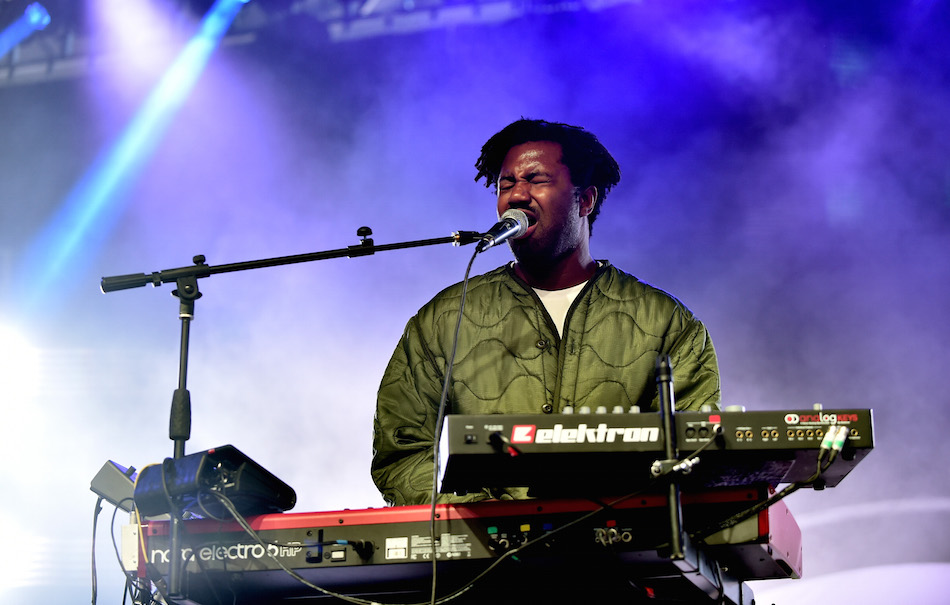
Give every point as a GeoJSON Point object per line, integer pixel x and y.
{"type": "Point", "coordinates": [785, 174]}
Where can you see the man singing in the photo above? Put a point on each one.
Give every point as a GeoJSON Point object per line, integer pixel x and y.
{"type": "Point", "coordinates": [554, 328]}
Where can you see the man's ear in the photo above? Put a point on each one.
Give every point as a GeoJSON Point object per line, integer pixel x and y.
{"type": "Point", "coordinates": [588, 199]}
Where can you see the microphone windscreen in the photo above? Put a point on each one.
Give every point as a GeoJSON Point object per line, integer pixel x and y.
{"type": "Point", "coordinates": [519, 217]}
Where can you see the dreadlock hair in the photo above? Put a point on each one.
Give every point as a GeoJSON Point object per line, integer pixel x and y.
{"type": "Point", "coordinates": [587, 160]}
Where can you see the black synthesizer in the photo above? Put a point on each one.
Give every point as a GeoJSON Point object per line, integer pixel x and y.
{"type": "Point", "coordinates": [614, 453]}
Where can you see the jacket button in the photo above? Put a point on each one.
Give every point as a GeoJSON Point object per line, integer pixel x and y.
{"type": "Point", "coordinates": [542, 344]}
{"type": "Point", "coordinates": [547, 408]}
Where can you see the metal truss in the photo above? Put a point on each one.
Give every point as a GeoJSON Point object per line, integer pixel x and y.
{"type": "Point", "coordinates": [68, 49]}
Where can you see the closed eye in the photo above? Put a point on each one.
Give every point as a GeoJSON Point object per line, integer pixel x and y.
{"type": "Point", "coordinates": [538, 177]}
{"type": "Point", "coordinates": [535, 178]}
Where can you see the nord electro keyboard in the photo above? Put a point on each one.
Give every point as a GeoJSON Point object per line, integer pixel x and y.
{"type": "Point", "coordinates": [574, 550]}
{"type": "Point", "coordinates": [579, 454]}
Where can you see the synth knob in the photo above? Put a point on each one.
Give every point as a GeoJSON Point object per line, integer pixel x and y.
{"type": "Point", "coordinates": [601, 409]}
{"type": "Point", "coordinates": [634, 409]}
{"type": "Point", "coordinates": [568, 409]}
{"type": "Point", "coordinates": [706, 407]}
{"type": "Point", "coordinates": [618, 409]}
{"type": "Point", "coordinates": [734, 408]}
{"type": "Point", "coordinates": [584, 409]}
{"type": "Point", "coordinates": [817, 407]}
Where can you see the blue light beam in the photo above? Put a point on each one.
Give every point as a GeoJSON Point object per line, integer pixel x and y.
{"type": "Point", "coordinates": [82, 223]}
{"type": "Point", "coordinates": [33, 19]}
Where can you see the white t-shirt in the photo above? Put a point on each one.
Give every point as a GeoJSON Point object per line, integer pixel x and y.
{"type": "Point", "coordinates": [557, 302]}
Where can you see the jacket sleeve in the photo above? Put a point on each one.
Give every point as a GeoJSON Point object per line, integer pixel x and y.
{"type": "Point", "coordinates": [695, 367]}
{"type": "Point", "coordinates": [405, 423]}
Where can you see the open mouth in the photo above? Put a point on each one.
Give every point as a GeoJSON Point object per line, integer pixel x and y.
{"type": "Point", "coordinates": [532, 221]}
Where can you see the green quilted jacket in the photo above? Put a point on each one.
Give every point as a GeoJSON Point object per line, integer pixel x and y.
{"type": "Point", "coordinates": [510, 360]}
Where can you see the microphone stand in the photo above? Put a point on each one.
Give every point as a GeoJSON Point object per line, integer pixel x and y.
{"type": "Point", "coordinates": [664, 383]}
{"type": "Point", "coordinates": [694, 564]}
{"type": "Point", "coordinates": [187, 292]}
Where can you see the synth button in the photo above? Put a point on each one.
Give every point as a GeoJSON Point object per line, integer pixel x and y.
{"type": "Point", "coordinates": [547, 408]}
{"type": "Point", "coordinates": [470, 438]}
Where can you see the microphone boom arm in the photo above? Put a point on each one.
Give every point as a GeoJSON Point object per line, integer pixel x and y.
{"type": "Point", "coordinates": [200, 269]}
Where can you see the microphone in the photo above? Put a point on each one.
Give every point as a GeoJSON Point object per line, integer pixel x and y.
{"type": "Point", "coordinates": [513, 223]}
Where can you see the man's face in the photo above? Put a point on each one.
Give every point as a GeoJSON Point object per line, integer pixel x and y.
{"type": "Point", "coordinates": [533, 179]}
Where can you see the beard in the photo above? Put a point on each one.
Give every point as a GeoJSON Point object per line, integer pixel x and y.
{"type": "Point", "coordinates": [547, 245]}
{"type": "Point", "coordinates": [542, 257]}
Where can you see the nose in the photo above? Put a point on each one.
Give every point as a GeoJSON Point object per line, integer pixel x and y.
{"type": "Point", "coordinates": [519, 192]}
